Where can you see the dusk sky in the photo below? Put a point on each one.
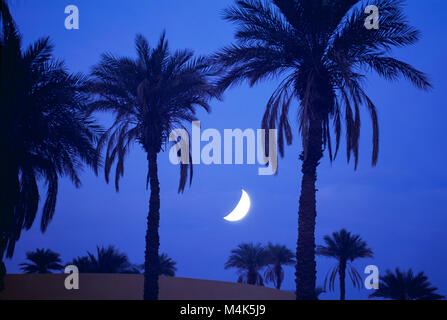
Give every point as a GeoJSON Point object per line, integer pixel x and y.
{"type": "Point", "coordinates": [399, 207]}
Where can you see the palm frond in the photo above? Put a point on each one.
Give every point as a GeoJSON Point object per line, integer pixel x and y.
{"type": "Point", "coordinates": [406, 286]}
{"type": "Point", "coordinates": [321, 51]}
{"type": "Point", "coordinates": [46, 132]}
{"type": "Point", "coordinates": [41, 261]}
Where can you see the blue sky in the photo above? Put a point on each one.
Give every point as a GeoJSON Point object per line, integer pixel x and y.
{"type": "Point", "coordinates": [398, 207]}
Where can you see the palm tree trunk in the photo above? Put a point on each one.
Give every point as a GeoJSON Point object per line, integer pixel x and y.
{"type": "Point", "coordinates": [278, 276]}
{"type": "Point", "coordinates": [9, 190]}
{"type": "Point", "coordinates": [251, 277]}
{"type": "Point", "coordinates": [305, 252]}
{"type": "Point", "coordinates": [152, 263]}
{"type": "Point", "coordinates": [3, 239]}
{"type": "Point", "coordinates": [342, 275]}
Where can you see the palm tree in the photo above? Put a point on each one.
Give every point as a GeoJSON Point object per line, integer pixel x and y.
{"type": "Point", "coordinates": [278, 256]}
{"type": "Point", "coordinates": [406, 286]}
{"type": "Point", "coordinates": [107, 260]}
{"type": "Point", "coordinates": [150, 96]}
{"type": "Point", "coordinates": [345, 248]}
{"type": "Point", "coordinates": [322, 52]}
{"type": "Point", "coordinates": [167, 266]}
{"type": "Point", "coordinates": [249, 259]}
{"type": "Point", "coordinates": [84, 264]}
{"type": "Point", "coordinates": [45, 132]}
{"type": "Point", "coordinates": [41, 261]}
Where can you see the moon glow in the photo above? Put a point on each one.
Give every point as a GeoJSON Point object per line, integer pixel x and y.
{"type": "Point", "coordinates": [241, 209]}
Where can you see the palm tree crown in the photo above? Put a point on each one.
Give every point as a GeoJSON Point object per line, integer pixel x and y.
{"type": "Point", "coordinates": [322, 53]}
{"type": "Point", "coordinates": [150, 96]}
{"type": "Point", "coordinates": [41, 261]}
{"type": "Point", "coordinates": [107, 260]}
{"type": "Point", "coordinates": [249, 259]}
{"type": "Point", "coordinates": [278, 256]}
{"type": "Point", "coordinates": [44, 131]}
{"type": "Point", "coordinates": [406, 286]}
{"type": "Point", "coordinates": [320, 48]}
{"type": "Point", "coordinates": [344, 247]}
{"type": "Point", "coordinates": [167, 266]}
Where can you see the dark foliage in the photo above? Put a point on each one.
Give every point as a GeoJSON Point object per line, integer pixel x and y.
{"type": "Point", "coordinates": [45, 132]}
{"type": "Point", "coordinates": [406, 286]}
{"type": "Point", "coordinates": [107, 260]}
{"type": "Point", "coordinates": [248, 259]}
{"type": "Point", "coordinates": [278, 256]}
{"type": "Point", "coordinates": [42, 261]}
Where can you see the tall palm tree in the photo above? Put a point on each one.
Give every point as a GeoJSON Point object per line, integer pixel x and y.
{"type": "Point", "coordinates": [249, 259]}
{"type": "Point", "coordinates": [107, 260]}
{"type": "Point", "coordinates": [406, 286]}
{"type": "Point", "coordinates": [322, 52]}
{"type": "Point", "coordinates": [167, 266]}
{"type": "Point", "coordinates": [150, 96]}
{"type": "Point", "coordinates": [278, 256]}
{"type": "Point", "coordinates": [41, 261]}
{"type": "Point", "coordinates": [345, 248]}
{"type": "Point", "coordinates": [45, 132]}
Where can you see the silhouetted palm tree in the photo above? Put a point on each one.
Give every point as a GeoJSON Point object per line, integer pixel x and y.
{"type": "Point", "coordinates": [150, 96]}
{"type": "Point", "coordinates": [249, 259]}
{"type": "Point", "coordinates": [322, 51]}
{"type": "Point", "coordinates": [406, 286]}
{"type": "Point", "coordinates": [44, 131]}
{"type": "Point", "coordinates": [84, 264]}
{"type": "Point", "coordinates": [41, 261]}
{"type": "Point", "coordinates": [345, 248]}
{"type": "Point", "coordinates": [278, 256]}
{"type": "Point", "coordinates": [167, 266]}
{"type": "Point", "coordinates": [107, 260]}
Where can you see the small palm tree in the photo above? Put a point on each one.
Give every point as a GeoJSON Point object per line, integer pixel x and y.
{"type": "Point", "coordinates": [345, 248]}
{"type": "Point", "coordinates": [41, 261]}
{"type": "Point", "coordinates": [107, 260]}
{"type": "Point", "coordinates": [406, 286]}
{"type": "Point", "coordinates": [167, 266]}
{"type": "Point", "coordinates": [45, 132]}
{"type": "Point", "coordinates": [249, 259]}
{"type": "Point", "coordinates": [84, 264]}
{"type": "Point", "coordinates": [150, 96]}
{"type": "Point", "coordinates": [321, 52]}
{"type": "Point", "coordinates": [278, 256]}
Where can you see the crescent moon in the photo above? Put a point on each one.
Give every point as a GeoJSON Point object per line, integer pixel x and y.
{"type": "Point", "coordinates": [241, 209]}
